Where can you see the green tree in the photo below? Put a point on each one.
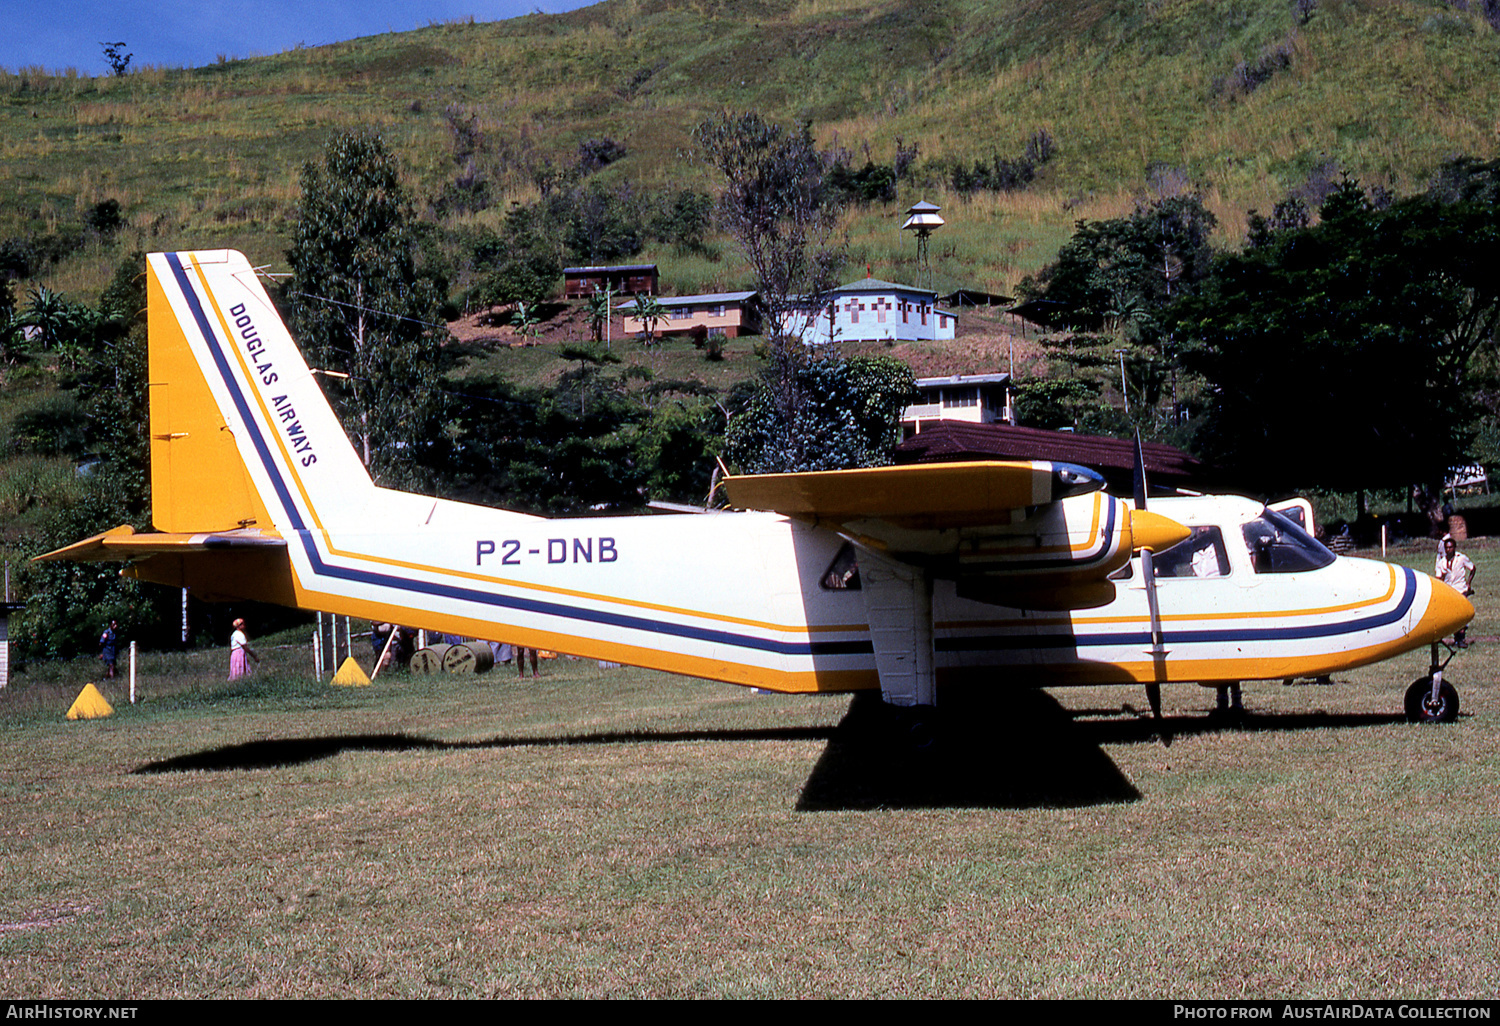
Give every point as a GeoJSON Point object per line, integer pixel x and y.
{"type": "Point", "coordinates": [778, 207]}
{"type": "Point", "coordinates": [602, 224]}
{"type": "Point", "coordinates": [362, 306]}
{"type": "Point", "coordinates": [520, 264]}
{"type": "Point", "coordinates": [12, 326]}
{"type": "Point", "coordinates": [1337, 355]}
{"type": "Point", "coordinates": [1118, 275]}
{"type": "Point", "coordinates": [119, 60]}
{"type": "Point", "coordinates": [849, 417]}
{"type": "Point", "coordinates": [1054, 403]}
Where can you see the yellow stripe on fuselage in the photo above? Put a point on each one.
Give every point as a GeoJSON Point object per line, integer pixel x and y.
{"type": "Point", "coordinates": [1249, 614]}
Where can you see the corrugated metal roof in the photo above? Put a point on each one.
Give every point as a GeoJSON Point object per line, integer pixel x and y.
{"type": "Point", "coordinates": [963, 379]}
{"type": "Point", "coordinates": [953, 441]}
{"type": "Point", "coordinates": [705, 298]}
{"type": "Point", "coordinates": [877, 285]}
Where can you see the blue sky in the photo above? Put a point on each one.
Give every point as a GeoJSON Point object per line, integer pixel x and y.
{"type": "Point", "coordinates": [57, 34]}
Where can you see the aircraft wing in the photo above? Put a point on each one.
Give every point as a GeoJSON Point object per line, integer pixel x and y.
{"type": "Point", "coordinates": [931, 495]}
{"type": "Point", "coordinates": [123, 543]}
{"type": "Point", "coordinates": [1039, 533]}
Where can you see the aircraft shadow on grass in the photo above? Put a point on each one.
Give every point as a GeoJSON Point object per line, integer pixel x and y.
{"type": "Point", "coordinates": [1025, 751]}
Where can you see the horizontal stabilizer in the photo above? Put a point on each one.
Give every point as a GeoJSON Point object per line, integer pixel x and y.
{"type": "Point", "coordinates": [124, 543]}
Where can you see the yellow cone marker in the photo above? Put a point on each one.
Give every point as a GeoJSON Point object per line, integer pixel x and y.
{"type": "Point", "coordinates": [351, 675]}
{"type": "Point", "coordinates": [89, 705]}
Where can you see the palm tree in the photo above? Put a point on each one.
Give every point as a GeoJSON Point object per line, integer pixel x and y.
{"type": "Point", "coordinates": [599, 313]}
{"type": "Point", "coordinates": [650, 311]}
{"type": "Point", "coordinates": [48, 313]}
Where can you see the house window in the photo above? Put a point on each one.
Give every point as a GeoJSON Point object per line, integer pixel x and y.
{"type": "Point", "coordinates": [716, 311]}
{"type": "Point", "coordinates": [680, 313]}
{"type": "Point", "coordinates": [956, 397]}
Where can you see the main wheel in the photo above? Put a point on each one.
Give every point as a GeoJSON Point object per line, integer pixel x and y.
{"type": "Point", "coordinates": [1420, 708]}
{"type": "Point", "coordinates": [919, 728]}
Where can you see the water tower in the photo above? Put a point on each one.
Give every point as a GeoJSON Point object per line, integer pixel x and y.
{"type": "Point", "coordinates": [922, 220]}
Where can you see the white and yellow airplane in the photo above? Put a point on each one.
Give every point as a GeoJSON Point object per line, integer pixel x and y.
{"type": "Point", "coordinates": [905, 579]}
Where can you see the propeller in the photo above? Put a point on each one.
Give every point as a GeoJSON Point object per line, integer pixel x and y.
{"type": "Point", "coordinates": [1158, 650]}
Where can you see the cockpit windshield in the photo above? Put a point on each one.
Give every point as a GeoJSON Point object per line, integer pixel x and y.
{"type": "Point", "coordinates": [1278, 546]}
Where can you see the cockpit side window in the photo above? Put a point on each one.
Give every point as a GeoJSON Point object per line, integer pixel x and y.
{"type": "Point", "coordinates": [843, 573]}
{"type": "Point", "coordinates": [1278, 546]}
{"type": "Point", "coordinates": [1202, 554]}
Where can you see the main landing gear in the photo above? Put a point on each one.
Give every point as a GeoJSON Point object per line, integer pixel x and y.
{"type": "Point", "coordinates": [1431, 699]}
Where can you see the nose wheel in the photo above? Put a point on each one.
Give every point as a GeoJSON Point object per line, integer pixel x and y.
{"type": "Point", "coordinates": [1422, 706]}
{"type": "Point", "coordinates": [1431, 699]}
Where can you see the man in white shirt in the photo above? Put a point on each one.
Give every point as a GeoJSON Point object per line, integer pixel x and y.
{"type": "Point", "coordinates": [1457, 571]}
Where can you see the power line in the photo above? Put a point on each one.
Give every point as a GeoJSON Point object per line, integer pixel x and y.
{"type": "Point", "coordinates": [368, 309]}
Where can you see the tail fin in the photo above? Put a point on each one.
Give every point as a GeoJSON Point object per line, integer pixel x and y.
{"type": "Point", "coordinates": [241, 434]}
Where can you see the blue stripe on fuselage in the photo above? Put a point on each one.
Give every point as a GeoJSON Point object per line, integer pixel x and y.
{"type": "Point", "coordinates": [1014, 642]}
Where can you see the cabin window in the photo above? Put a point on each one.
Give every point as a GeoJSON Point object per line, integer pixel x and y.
{"type": "Point", "coordinates": [843, 573]}
{"type": "Point", "coordinates": [1278, 546]}
{"type": "Point", "coordinates": [1202, 554]}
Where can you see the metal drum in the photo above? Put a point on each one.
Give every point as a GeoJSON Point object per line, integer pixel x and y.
{"type": "Point", "coordinates": [473, 657]}
{"type": "Point", "coordinates": [429, 659]}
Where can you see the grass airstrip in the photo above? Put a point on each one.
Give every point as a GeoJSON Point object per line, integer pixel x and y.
{"type": "Point", "coordinates": [619, 833]}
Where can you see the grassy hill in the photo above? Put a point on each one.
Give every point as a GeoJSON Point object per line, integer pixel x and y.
{"type": "Point", "coordinates": [1242, 102]}
{"type": "Point", "coordinates": [1245, 101]}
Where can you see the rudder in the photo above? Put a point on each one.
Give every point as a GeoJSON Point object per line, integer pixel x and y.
{"type": "Point", "coordinates": [198, 480]}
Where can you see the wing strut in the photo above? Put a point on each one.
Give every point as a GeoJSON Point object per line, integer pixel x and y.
{"type": "Point", "coordinates": [898, 602]}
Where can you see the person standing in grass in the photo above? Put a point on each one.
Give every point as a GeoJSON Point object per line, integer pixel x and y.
{"type": "Point", "coordinates": [240, 652]}
{"type": "Point", "coordinates": [1457, 571]}
{"type": "Point", "coordinates": [108, 648]}
{"type": "Point", "coordinates": [521, 660]}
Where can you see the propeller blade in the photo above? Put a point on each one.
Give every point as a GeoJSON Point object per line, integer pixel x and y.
{"type": "Point", "coordinates": [1158, 532]}
{"type": "Point", "coordinates": [1140, 473]}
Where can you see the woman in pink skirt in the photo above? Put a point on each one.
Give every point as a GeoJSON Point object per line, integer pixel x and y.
{"type": "Point", "coordinates": [240, 652]}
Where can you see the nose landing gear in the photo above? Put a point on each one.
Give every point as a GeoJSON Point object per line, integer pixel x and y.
{"type": "Point", "coordinates": [1431, 699]}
